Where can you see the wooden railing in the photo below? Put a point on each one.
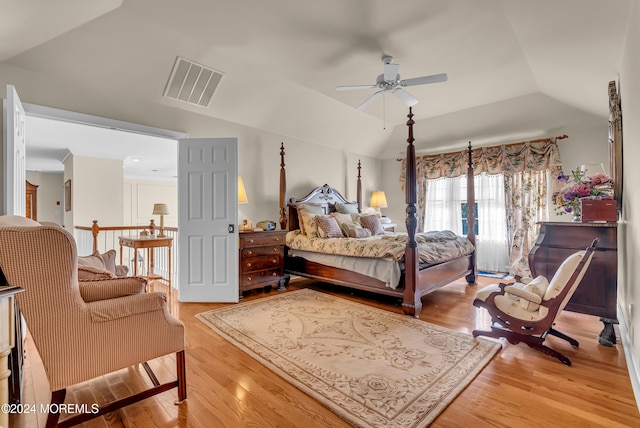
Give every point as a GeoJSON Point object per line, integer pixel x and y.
{"type": "Point", "coordinates": [90, 239]}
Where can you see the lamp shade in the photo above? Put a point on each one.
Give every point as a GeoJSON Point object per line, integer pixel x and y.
{"type": "Point", "coordinates": [242, 193]}
{"type": "Point", "coordinates": [378, 200]}
{"type": "Point", "coordinates": [160, 209]}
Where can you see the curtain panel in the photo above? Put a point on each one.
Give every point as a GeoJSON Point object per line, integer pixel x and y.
{"type": "Point", "coordinates": [516, 161]}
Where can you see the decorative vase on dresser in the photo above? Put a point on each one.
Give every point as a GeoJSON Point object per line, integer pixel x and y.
{"type": "Point", "coordinates": [261, 259]}
{"type": "Point", "coordinates": [598, 292]}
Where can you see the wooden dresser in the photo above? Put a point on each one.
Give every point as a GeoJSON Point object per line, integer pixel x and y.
{"type": "Point", "coordinates": [261, 259]}
{"type": "Point", "coordinates": [597, 294]}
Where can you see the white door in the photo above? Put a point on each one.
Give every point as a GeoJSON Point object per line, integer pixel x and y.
{"type": "Point", "coordinates": [15, 176]}
{"type": "Point", "coordinates": [208, 219]}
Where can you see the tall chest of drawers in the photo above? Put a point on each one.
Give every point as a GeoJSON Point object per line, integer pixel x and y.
{"type": "Point", "coordinates": [261, 259]}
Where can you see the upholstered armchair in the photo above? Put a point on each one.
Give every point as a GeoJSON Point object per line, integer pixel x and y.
{"type": "Point", "coordinates": [81, 334]}
{"type": "Point", "coordinates": [526, 310]}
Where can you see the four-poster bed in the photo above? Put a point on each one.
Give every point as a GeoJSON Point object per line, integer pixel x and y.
{"type": "Point", "coordinates": [417, 277]}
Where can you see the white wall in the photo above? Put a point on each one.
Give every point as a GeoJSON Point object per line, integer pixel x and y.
{"type": "Point", "coordinates": [629, 227]}
{"type": "Point", "coordinates": [50, 195]}
{"type": "Point", "coordinates": [96, 191]}
{"type": "Point", "coordinates": [139, 197]}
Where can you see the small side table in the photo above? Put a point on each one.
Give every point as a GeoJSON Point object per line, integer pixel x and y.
{"type": "Point", "coordinates": [261, 259]}
{"type": "Point", "coordinates": [149, 244]}
{"type": "Point", "coordinates": [389, 227]}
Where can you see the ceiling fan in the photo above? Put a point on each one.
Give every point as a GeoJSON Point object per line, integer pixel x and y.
{"type": "Point", "coordinates": [390, 81]}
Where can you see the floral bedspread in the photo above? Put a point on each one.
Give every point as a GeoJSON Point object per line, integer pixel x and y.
{"type": "Point", "coordinates": [433, 247]}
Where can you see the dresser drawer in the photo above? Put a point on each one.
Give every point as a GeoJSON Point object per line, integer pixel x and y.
{"type": "Point", "coordinates": [260, 277]}
{"type": "Point", "coordinates": [262, 239]}
{"type": "Point", "coordinates": [271, 250]}
{"type": "Point", "coordinates": [261, 262]}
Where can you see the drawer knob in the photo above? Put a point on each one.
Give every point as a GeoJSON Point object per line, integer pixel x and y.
{"type": "Point", "coordinates": [249, 278]}
{"type": "Point", "coordinates": [274, 274]}
{"type": "Point", "coordinates": [251, 241]}
{"type": "Point", "coordinates": [275, 249]}
{"type": "Point", "coordinates": [249, 252]}
{"type": "Point", "coordinates": [274, 261]}
{"type": "Point", "coordinates": [248, 264]}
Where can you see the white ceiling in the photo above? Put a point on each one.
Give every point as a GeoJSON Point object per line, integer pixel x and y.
{"type": "Point", "coordinates": [517, 69]}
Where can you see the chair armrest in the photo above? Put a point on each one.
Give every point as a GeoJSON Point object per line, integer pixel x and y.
{"type": "Point", "coordinates": [121, 307]}
{"type": "Point", "coordinates": [101, 289]}
{"type": "Point", "coordinates": [523, 294]}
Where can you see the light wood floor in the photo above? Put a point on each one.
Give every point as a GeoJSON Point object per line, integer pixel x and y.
{"type": "Point", "coordinates": [226, 388]}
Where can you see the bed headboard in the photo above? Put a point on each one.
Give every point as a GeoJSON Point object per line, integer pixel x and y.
{"type": "Point", "coordinates": [325, 195]}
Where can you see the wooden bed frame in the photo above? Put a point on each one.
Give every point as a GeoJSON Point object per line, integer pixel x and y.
{"type": "Point", "coordinates": [415, 281]}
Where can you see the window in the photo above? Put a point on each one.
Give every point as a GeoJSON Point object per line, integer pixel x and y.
{"type": "Point", "coordinates": [446, 208]}
{"type": "Point", "coordinates": [465, 214]}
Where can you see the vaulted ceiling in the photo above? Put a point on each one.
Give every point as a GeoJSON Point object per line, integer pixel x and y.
{"type": "Point", "coordinates": [516, 69]}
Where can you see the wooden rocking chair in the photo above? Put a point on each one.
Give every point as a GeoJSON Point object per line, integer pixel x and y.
{"type": "Point", "coordinates": [526, 311]}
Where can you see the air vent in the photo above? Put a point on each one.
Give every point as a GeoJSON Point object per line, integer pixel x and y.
{"type": "Point", "coordinates": [192, 83]}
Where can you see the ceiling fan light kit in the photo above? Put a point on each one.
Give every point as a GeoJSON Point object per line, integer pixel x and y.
{"type": "Point", "coordinates": [390, 81]}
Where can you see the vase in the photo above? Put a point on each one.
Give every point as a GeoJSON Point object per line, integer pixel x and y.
{"type": "Point", "coordinates": [576, 218]}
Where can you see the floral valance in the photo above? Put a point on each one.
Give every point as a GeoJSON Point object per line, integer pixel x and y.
{"type": "Point", "coordinates": [535, 155]}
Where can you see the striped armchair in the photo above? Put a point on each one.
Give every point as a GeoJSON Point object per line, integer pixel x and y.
{"type": "Point", "coordinates": [83, 334]}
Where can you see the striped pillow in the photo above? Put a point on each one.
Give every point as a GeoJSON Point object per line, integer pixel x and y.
{"type": "Point", "coordinates": [372, 222]}
{"type": "Point", "coordinates": [328, 227]}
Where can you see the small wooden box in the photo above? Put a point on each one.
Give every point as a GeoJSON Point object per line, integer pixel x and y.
{"type": "Point", "coordinates": [599, 210]}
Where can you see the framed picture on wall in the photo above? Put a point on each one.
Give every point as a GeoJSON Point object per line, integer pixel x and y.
{"type": "Point", "coordinates": [67, 195]}
{"type": "Point", "coordinates": [615, 142]}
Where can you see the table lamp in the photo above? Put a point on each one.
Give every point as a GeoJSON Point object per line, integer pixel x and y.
{"type": "Point", "coordinates": [242, 193]}
{"type": "Point", "coordinates": [161, 210]}
{"type": "Point", "coordinates": [378, 200]}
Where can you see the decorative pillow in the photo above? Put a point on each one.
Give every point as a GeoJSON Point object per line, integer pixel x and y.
{"type": "Point", "coordinates": [537, 286]}
{"type": "Point", "coordinates": [306, 213]}
{"type": "Point", "coordinates": [342, 219]}
{"type": "Point", "coordinates": [92, 261]}
{"type": "Point", "coordinates": [109, 259]}
{"type": "Point", "coordinates": [348, 208]}
{"type": "Point", "coordinates": [89, 273]}
{"type": "Point", "coordinates": [328, 227]}
{"type": "Point", "coordinates": [352, 230]}
{"type": "Point", "coordinates": [372, 222]}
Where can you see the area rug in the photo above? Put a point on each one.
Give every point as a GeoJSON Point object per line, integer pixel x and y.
{"type": "Point", "coordinates": [371, 367]}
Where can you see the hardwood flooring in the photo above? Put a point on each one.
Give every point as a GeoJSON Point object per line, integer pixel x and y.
{"type": "Point", "coordinates": [226, 388]}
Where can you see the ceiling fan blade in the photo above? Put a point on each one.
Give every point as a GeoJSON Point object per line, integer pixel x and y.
{"type": "Point", "coordinates": [369, 100]}
{"type": "Point", "coordinates": [391, 71]}
{"type": "Point", "coordinates": [405, 97]}
{"type": "Point", "coordinates": [424, 80]}
{"type": "Point", "coordinates": [349, 88]}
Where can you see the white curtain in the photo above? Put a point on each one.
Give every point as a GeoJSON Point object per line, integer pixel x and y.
{"type": "Point", "coordinates": [443, 210]}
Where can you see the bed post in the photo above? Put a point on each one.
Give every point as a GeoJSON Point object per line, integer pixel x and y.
{"type": "Point", "coordinates": [411, 303]}
{"type": "Point", "coordinates": [283, 191]}
{"type": "Point", "coordinates": [471, 217]}
{"type": "Point", "coordinates": [359, 190]}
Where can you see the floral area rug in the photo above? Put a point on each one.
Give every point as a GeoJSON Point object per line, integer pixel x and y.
{"type": "Point", "coordinates": [371, 367]}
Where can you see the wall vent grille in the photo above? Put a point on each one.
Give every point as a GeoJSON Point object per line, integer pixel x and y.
{"type": "Point", "coordinates": [192, 83]}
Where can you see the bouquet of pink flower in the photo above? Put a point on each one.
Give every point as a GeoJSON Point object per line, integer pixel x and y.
{"type": "Point", "coordinates": [577, 187]}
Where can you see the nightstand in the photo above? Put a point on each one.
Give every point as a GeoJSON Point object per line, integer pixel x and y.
{"type": "Point", "coordinates": [389, 227]}
{"type": "Point", "coordinates": [261, 259]}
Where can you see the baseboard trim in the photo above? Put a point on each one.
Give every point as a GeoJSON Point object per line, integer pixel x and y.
{"type": "Point", "coordinates": [630, 356]}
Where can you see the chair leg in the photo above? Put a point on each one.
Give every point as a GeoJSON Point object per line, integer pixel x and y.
{"type": "Point", "coordinates": [182, 377]}
{"type": "Point", "coordinates": [534, 342]}
{"type": "Point", "coordinates": [552, 331]}
{"type": "Point", "coordinates": [57, 398]}
{"type": "Point", "coordinates": [548, 351]}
